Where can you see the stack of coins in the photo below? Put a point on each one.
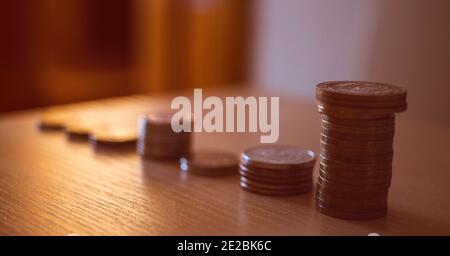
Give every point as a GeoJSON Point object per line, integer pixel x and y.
{"type": "Point", "coordinates": [357, 147]}
{"type": "Point", "coordinates": [156, 139]}
{"type": "Point", "coordinates": [210, 163]}
{"type": "Point", "coordinates": [276, 170]}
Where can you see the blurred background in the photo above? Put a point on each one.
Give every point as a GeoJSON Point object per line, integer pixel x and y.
{"type": "Point", "coordinates": [54, 52]}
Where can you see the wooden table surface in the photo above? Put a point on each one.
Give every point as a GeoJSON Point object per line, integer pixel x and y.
{"type": "Point", "coordinates": [50, 185]}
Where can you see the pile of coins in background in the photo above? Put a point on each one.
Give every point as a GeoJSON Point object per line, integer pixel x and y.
{"type": "Point", "coordinates": [276, 170]}
{"type": "Point", "coordinates": [357, 147]}
{"type": "Point", "coordinates": [156, 139]}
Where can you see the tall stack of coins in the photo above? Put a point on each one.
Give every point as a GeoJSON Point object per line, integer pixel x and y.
{"type": "Point", "coordinates": [156, 139]}
{"type": "Point", "coordinates": [276, 170]}
{"type": "Point", "coordinates": [357, 147]}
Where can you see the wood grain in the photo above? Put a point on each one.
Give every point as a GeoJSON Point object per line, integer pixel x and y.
{"type": "Point", "coordinates": [52, 186]}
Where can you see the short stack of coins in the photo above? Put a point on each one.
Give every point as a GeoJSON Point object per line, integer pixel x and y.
{"type": "Point", "coordinates": [357, 147]}
{"type": "Point", "coordinates": [156, 138]}
{"type": "Point", "coordinates": [276, 170]}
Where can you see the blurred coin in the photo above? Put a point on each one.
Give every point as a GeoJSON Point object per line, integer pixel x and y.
{"type": "Point", "coordinates": [114, 134]}
{"type": "Point", "coordinates": [158, 140]}
{"type": "Point", "coordinates": [210, 163]}
{"type": "Point", "coordinates": [54, 120]}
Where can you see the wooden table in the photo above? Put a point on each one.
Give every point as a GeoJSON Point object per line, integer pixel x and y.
{"type": "Point", "coordinates": [50, 185]}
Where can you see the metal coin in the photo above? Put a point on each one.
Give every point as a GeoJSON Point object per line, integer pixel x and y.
{"type": "Point", "coordinates": [268, 192]}
{"type": "Point", "coordinates": [210, 162]}
{"type": "Point", "coordinates": [278, 157]}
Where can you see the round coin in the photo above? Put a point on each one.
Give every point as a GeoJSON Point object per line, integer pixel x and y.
{"type": "Point", "coordinates": [365, 195]}
{"type": "Point", "coordinates": [360, 91]}
{"type": "Point", "coordinates": [288, 173]}
{"type": "Point", "coordinates": [272, 186]}
{"type": "Point", "coordinates": [114, 134]}
{"type": "Point", "coordinates": [210, 162]}
{"type": "Point", "coordinates": [356, 113]}
{"type": "Point", "coordinates": [355, 173]}
{"type": "Point", "coordinates": [354, 181]}
{"type": "Point", "coordinates": [274, 179]}
{"type": "Point", "coordinates": [385, 121]}
{"type": "Point", "coordinates": [376, 189]}
{"type": "Point", "coordinates": [268, 192]}
{"type": "Point", "coordinates": [278, 157]}
{"type": "Point", "coordinates": [351, 203]}
{"type": "Point", "coordinates": [358, 137]}
{"type": "Point", "coordinates": [350, 215]}
{"type": "Point", "coordinates": [358, 159]}
{"type": "Point", "coordinates": [358, 129]}
{"type": "Point", "coordinates": [366, 167]}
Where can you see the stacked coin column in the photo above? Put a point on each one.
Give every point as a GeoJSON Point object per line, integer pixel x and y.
{"type": "Point", "coordinates": [276, 170]}
{"type": "Point", "coordinates": [357, 147]}
{"type": "Point", "coordinates": [156, 139]}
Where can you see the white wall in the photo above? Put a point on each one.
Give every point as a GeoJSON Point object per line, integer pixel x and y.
{"type": "Point", "coordinates": [406, 42]}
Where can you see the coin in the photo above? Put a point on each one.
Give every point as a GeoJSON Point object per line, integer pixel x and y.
{"type": "Point", "coordinates": [356, 148]}
{"type": "Point", "coordinates": [349, 201]}
{"type": "Point", "coordinates": [352, 136]}
{"type": "Point", "coordinates": [273, 178]}
{"type": "Point", "coordinates": [268, 192]}
{"type": "Point", "coordinates": [53, 120]}
{"type": "Point", "coordinates": [352, 206]}
{"type": "Point", "coordinates": [288, 173]}
{"type": "Point", "coordinates": [358, 129]}
{"type": "Point", "coordinates": [331, 176]}
{"type": "Point", "coordinates": [355, 173]}
{"type": "Point", "coordinates": [274, 186]}
{"type": "Point", "coordinates": [356, 113]}
{"type": "Point", "coordinates": [114, 134]}
{"type": "Point", "coordinates": [386, 121]}
{"type": "Point", "coordinates": [363, 104]}
{"type": "Point", "coordinates": [278, 157]}
{"type": "Point", "coordinates": [210, 162]}
{"type": "Point", "coordinates": [349, 193]}
{"type": "Point", "coordinates": [340, 214]}
{"type": "Point", "coordinates": [360, 91]}
{"type": "Point", "coordinates": [369, 189]}
{"type": "Point", "coordinates": [374, 159]}
{"type": "Point", "coordinates": [356, 166]}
